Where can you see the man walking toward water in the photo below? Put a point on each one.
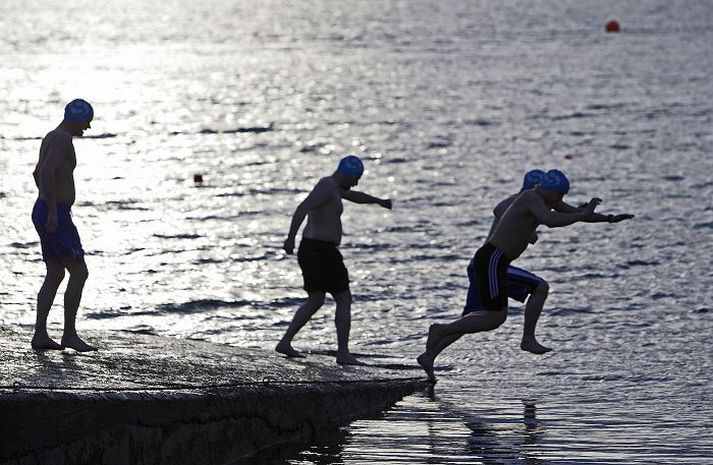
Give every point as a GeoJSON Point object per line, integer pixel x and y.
{"type": "Point", "coordinates": [511, 234]}
{"type": "Point", "coordinates": [59, 239]}
{"type": "Point", "coordinates": [319, 258]}
{"type": "Point", "coordinates": [522, 283]}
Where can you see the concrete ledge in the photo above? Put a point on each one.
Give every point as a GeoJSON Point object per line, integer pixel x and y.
{"type": "Point", "coordinates": [191, 403]}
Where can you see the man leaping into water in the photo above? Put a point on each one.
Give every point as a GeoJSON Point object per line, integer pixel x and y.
{"type": "Point", "coordinates": [52, 217]}
{"type": "Point", "coordinates": [522, 283]}
{"type": "Point", "coordinates": [514, 231]}
{"type": "Point", "coordinates": [319, 258]}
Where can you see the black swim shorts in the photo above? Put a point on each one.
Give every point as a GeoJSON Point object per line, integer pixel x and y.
{"type": "Point", "coordinates": [521, 284]}
{"type": "Point", "coordinates": [488, 271]}
{"type": "Point", "coordinates": [322, 266]}
{"type": "Point", "coordinates": [64, 242]}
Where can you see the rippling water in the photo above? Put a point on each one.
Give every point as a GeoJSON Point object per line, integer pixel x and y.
{"type": "Point", "coordinates": [448, 103]}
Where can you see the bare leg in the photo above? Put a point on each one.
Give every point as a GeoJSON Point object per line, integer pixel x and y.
{"type": "Point", "coordinates": [45, 298]}
{"type": "Point", "coordinates": [533, 309]}
{"type": "Point", "coordinates": [343, 322]}
{"type": "Point", "coordinates": [443, 343]}
{"type": "Point", "coordinates": [315, 300]}
{"type": "Point", "coordinates": [441, 336]}
{"type": "Point", "coordinates": [427, 358]}
{"type": "Point", "coordinates": [72, 296]}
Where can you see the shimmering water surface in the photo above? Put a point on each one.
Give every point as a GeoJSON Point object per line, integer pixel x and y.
{"type": "Point", "coordinates": [448, 103]}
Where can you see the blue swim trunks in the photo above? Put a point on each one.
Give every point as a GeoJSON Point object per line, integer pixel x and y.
{"type": "Point", "coordinates": [520, 284]}
{"type": "Point", "coordinates": [64, 242]}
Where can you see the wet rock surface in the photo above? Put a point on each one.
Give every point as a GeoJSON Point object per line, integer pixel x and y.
{"type": "Point", "coordinates": [149, 399]}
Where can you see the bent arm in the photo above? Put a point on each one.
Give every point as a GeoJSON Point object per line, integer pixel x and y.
{"type": "Point", "coordinates": [319, 195]}
{"type": "Point", "coordinates": [297, 219]}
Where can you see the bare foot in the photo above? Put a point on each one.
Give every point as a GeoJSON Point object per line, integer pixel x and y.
{"type": "Point", "coordinates": [427, 364]}
{"type": "Point", "coordinates": [432, 336]}
{"type": "Point", "coordinates": [286, 349]}
{"type": "Point", "coordinates": [531, 345]}
{"type": "Point", "coordinates": [348, 359]}
{"type": "Point", "coordinates": [45, 343]}
{"type": "Point", "coordinates": [74, 342]}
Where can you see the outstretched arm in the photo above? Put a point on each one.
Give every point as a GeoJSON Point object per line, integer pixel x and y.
{"type": "Point", "coordinates": [555, 219]}
{"type": "Point", "coordinates": [361, 197]}
{"type": "Point", "coordinates": [618, 218]}
{"type": "Point", "coordinates": [564, 207]}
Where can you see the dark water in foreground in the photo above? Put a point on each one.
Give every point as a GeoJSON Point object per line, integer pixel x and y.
{"type": "Point", "coordinates": [448, 103]}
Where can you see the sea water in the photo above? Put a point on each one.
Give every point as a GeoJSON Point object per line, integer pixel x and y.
{"type": "Point", "coordinates": [448, 103]}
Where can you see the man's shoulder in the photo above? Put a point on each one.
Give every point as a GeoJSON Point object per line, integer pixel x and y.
{"type": "Point", "coordinates": [327, 183]}
{"type": "Point", "coordinates": [507, 201]}
{"type": "Point", "coordinates": [504, 204]}
{"type": "Point", "coordinates": [326, 188]}
{"type": "Point", "coordinates": [58, 137]}
{"type": "Point", "coordinates": [528, 196]}
{"type": "Point", "coordinates": [525, 200]}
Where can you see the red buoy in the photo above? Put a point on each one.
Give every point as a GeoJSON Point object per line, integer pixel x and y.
{"type": "Point", "coordinates": [612, 26]}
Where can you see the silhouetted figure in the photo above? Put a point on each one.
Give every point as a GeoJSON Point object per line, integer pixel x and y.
{"type": "Point", "coordinates": [522, 283]}
{"type": "Point", "coordinates": [319, 258]}
{"type": "Point", "coordinates": [514, 231]}
{"type": "Point", "coordinates": [52, 217]}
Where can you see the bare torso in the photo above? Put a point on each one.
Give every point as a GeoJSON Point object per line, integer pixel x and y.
{"type": "Point", "coordinates": [499, 210]}
{"type": "Point", "coordinates": [324, 222]}
{"type": "Point", "coordinates": [516, 226]}
{"type": "Point", "coordinates": [56, 155]}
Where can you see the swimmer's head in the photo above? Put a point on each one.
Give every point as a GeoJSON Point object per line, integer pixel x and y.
{"type": "Point", "coordinates": [555, 181]}
{"type": "Point", "coordinates": [78, 111]}
{"type": "Point", "coordinates": [532, 178]}
{"type": "Point", "coordinates": [351, 166]}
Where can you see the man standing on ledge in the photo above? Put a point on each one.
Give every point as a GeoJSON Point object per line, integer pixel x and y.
{"type": "Point", "coordinates": [51, 215]}
{"type": "Point", "coordinates": [319, 258]}
{"type": "Point", "coordinates": [514, 231]}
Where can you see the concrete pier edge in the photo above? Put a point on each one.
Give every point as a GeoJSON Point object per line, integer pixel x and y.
{"type": "Point", "coordinates": [127, 404]}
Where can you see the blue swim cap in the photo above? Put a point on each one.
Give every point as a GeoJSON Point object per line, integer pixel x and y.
{"type": "Point", "coordinates": [532, 178]}
{"type": "Point", "coordinates": [555, 181]}
{"type": "Point", "coordinates": [351, 166]}
{"type": "Point", "coordinates": [78, 110]}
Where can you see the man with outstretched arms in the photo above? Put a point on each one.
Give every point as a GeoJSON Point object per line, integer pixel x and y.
{"type": "Point", "coordinates": [59, 239]}
{"type": "Point", "coordinates": [509, 238]}
{"type": "Point", "coordinates": [319, 258]}
{"type": "Point", "coordinates": [522, 283]}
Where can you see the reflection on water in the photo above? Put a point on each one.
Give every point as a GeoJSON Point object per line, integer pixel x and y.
{"type": "Point", "coordinates": [325, 449]}
{"type": "Point", "coordinates": [428, 428]}
{"type": "Point", "coordinates": [448, 103]}
{"type": "Point", "coordinates": [419, 430]}
{"type": "Point", "coordinates": [502, 439]}
{"type": "Point", "coordinates": [497, 439]}
{"type": "Point", "coordinates": [416, 430]}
